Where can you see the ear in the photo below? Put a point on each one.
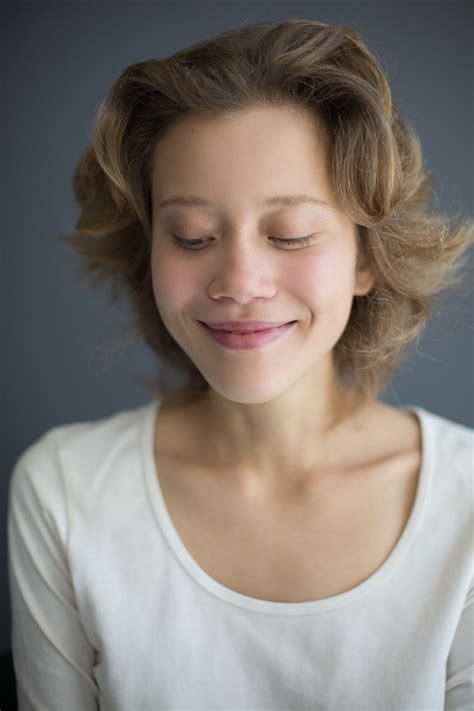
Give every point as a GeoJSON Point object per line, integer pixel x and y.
{"type": "Point", "coordinates": [364, 277]}
{"type": "Point", "coordinates": [364, 281]}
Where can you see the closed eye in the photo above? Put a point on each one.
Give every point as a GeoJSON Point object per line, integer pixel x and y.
{"type": "Point", "coordinates": [195, 243]}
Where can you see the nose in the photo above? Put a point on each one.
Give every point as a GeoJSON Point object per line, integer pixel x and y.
{"type": "Point", "coordinates": [242, 272]}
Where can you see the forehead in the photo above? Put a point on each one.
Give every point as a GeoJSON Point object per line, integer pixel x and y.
{"type": "Point", "coordinates": [265, 151]}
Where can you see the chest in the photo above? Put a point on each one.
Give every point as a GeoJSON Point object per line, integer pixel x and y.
{"type": "Point", "coordinates": [292, 550]}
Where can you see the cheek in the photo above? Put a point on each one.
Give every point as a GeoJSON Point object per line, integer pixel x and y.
{"type": "Point", "coordinates": [173, 290]}
{"type": "Point", "coordinates": [170, 277]}
{"type": "Point", "coordinates": [323, 278]}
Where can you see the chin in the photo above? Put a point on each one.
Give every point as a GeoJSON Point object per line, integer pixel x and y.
{"type": "Point", "coordinates": [249, 393]}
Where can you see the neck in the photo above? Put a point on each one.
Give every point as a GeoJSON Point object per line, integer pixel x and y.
{"type": "Point", "coordinates": [273, 443]}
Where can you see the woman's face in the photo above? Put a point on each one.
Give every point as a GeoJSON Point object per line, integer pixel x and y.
{"type": "Point", "coordinates": [240, 271]}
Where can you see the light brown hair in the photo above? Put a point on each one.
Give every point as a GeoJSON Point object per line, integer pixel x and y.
{"type": "Point", "coordinates": [375, 166]}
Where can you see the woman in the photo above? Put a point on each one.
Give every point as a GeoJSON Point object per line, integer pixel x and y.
{"type": "Point", "coordinates": [272, 536]}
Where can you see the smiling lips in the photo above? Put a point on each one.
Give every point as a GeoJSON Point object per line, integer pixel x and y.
{"type": "Point", "coordinates": [245, 326]}
{"type": "Point", "coordinates": [246, 340]}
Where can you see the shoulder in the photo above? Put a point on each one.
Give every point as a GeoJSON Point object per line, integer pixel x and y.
{"type": "Point", "coordinates": [448, 454]}
{"type": "Point", "coordinates": [452, 440]}
{"type": "Point", "coordinates": [65, 452]}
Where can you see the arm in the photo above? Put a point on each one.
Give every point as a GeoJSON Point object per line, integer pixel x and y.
{"type": "Point", "coordinates": [52, 656]}
{"type": "Point", "coordinates": [460, 667]}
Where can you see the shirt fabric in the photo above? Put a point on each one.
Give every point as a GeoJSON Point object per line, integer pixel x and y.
{"type": "Point", "coordinates": [111, 612]}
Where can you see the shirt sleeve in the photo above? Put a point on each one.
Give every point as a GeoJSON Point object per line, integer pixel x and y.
{"type": "Point", "coordinates": [460, 666]}
{"type": "Point", "coordinates": [53, 659]}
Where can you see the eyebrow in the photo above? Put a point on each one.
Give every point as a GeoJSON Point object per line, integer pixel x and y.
{"type": "Point", "coordinates": [275, 201]}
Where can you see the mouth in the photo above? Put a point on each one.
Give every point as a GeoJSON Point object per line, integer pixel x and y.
{"type": "Point", "coordinates": [249, 340]}
{"type": "Point", "coordinates": [244, 329]}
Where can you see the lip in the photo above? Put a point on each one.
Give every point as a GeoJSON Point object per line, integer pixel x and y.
{"type": "Point", "coordinates": [246, 341]}
{"type": "Point", "coordinates": [244, 326]}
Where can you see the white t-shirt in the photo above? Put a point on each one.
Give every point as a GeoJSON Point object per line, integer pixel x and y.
{"type": "Point", "coordinates": [111, 612]}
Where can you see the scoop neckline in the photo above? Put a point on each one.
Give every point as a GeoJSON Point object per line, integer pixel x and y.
{"type": "Point", "coordinates": [181, 553]}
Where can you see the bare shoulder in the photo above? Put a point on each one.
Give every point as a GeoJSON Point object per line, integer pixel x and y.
{"type": "Point", "coordinates": [175, 429]}
{"type": "Point", "coordinates": [384, 428]}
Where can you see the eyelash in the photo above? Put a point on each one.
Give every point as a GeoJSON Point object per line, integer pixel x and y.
{"type": "Point", "coordinates": [300, 241]}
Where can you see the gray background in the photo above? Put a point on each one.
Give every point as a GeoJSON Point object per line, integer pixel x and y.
{"type": "Point", "coordinates": [61, 58]}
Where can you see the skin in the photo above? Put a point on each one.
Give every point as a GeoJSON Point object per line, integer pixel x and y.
{"type": "Point", "coordinates": [276, 413]}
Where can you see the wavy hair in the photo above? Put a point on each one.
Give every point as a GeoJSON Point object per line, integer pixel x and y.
{"type": "Point", "coordinates": [375, 166]}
